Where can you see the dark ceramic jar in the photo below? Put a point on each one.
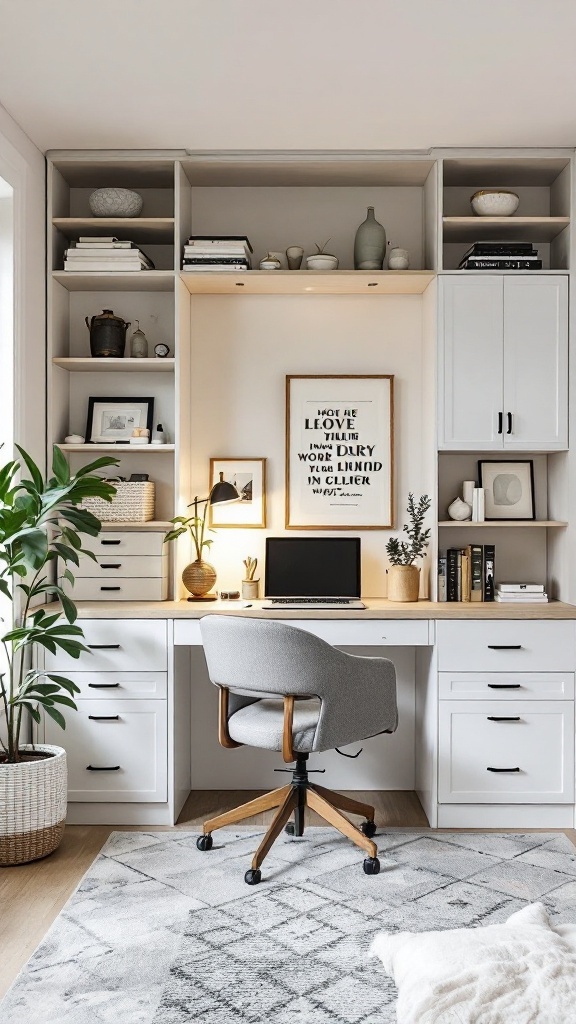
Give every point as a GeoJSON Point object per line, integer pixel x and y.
{"type": "Point", "coordinates": [107, 334]}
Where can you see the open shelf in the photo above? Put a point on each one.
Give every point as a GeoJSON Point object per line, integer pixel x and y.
{"type": "Point", "coordinates": [301, 282]}
{"type": "Point", "coordinates": [128, 281]}
{"type": "Point", "coordinates": [153, 525]}
{"type": "Point", "coordinates": [134, 449]}
{"type": "Point", "coordinates": [154, 230]}
{"type": "Point", "coordinates": [497, 524]}
{"type": "Point", "coordinates": [518, 229]}
{"type": "Point", "coordinates": [103, 365]}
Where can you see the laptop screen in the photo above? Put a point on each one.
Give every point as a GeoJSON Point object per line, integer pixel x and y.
{"type": "Point", "coordinates": [312, 567]}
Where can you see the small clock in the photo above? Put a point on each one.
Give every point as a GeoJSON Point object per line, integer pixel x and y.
{"type": "Point", "coordinates": [161, 350]}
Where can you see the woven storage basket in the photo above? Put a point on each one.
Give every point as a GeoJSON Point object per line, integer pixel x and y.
{"type": "Point", "coordinates": [132, 503]}
{"type": "Point", "coordinates": [32, 806]}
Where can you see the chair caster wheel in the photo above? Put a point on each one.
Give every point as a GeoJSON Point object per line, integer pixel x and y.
{"type": "Point", "coordinates": [368, 828]}
{"type": "Point", "coordinates": [290, 829]}
{"type": "Point", "coordinates": [252, 877]}
{"type": "Point", "coordinates": [371, 866]}
{"type": "Point", "coordinates": [204, 842]}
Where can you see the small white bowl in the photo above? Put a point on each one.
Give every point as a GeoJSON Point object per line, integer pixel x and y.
{"type": "Point", "coordinates": [494, 202]}
{"type": "Point", "coordinates": [322, 261]}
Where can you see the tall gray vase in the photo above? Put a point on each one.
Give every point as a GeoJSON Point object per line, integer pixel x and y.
{"type": "Point", "coordinates": [369, 244]}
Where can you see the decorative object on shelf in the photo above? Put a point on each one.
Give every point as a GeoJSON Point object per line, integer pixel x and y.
{"type": "Point", "coordinates": [500, 256]}
{"type": "Point", "coordinates": [161, 350]}
{"type": "Point", "coordinates": [398, 259]}
{"type": "Point", "coordinates": [248, 476]}
{"type": "Point", "coordinates": [494, 202]}
{"type": "Point", "coordinates": [459, 510]}
{"type": "Point", "coordinates": [113, 420]}
{"type": "Point", "coordinates": [140, 435]}
{"type": "Point", "coordinates": [199, 577]}
{"type": "Point", "coordinates": [33, 778]}
{"type": "Point", "coordinates": [369, 244]}
{"type": "Point", "coordinates": [340, 456]}
{"type": "Point", "coordinates": [321, 260]}
{"type": "Point", "coordinates": [115, 202]}
{"type": "Point", "coordinates": [270, 262]}
{"type": "Point", "coordinates": [478, 505]}
{"type": "Point", "coordinates": [138, 343]}
{"type": "Point", "coordinates": [249, 584]}
{"type": "Point", "coordinates": [158, 435]}
{"type": "Point", "coordinates": [107, 335]}
{"type": "Point", "coordinates": [281, 257]}
{"type": "Point", "coordinates": [133, 502]}
{"type": "Point", "coordinates": [93, 254]}
{"type": "Point", "coordinates": [403, 575]}
{"type": "Point", "coordinates": [468, 491]}
{"type": "Point", "coordinates": [509, 488]}
{"type": "Point", "coordinates": [294, 254]}
{"type": "Point", "coordinates": [74, 439]}
{"type": "Point", "coordinates": [217, 253]}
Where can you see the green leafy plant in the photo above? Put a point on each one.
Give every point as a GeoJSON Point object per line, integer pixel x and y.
{"type": "Point", "coordinates": [196, 526]}
{"type": "Point", "coordinates": [402, 553]}
{"type": "Point", "coordinates": [250, 564]}
{"type": "Point", "coordinates": [321, 249]}
{"type": "Point", "coordinates": [40, 522]}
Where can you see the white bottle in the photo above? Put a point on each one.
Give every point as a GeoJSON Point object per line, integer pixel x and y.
{"type": "Point", "coordinates": [158, 435]}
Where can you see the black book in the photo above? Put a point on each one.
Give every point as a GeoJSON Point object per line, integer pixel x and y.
{"type": "Point", "coordinates": [452, 574]}
{"type": "Point", "coordinates": [220, 238]}
{"type": "Point", "coordinates": [501, 249]}
{"type": "Point", "coordinates": [488, 264]}
{"type": "Point", "coordinates": [489, 559]}
{"type": "Point", "coordinates": [209, 261]}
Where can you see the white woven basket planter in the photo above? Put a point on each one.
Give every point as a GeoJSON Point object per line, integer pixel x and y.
{"type": "Point", "coordinates": [133, 503]}
{"type": "Point", "coordinates": [32, 806]}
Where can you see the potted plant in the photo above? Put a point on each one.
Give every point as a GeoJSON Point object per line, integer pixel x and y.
{"type": "Point", "coordinates": [40, 522]}
{"type": "Point", "coordinates": [321, 260]}
{"type": "Point", "coordinates": [249, 584]}
{"type": "Point", "coordinates": [403, 575]}
{"type": "Point", "coordinates": [199, 577]}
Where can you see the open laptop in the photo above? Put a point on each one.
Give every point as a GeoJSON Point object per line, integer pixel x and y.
{"type": "Point", "coordinates": [312, 572]}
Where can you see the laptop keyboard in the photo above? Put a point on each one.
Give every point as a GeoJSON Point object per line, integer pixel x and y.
{"type": "Point", "coordinates": [312, 600]}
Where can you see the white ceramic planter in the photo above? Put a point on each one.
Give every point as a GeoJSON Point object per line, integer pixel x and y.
{"type": "Point", "coordinates": [32, 806]}
{"type": "Point", "coordinates": [322, 261]}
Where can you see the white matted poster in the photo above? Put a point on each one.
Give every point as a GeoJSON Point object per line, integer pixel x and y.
{"type": "Point", "coordinates": [339, 452]}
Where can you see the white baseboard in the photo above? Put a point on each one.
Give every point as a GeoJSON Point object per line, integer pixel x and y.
{"type": "Point", "coordinates": [505, 816]}
{"type": "Point", "coordinates": [119, 814]}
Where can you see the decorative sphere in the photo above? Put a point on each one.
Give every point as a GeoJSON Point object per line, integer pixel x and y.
{"type": "Point", "coordinates": [115, 202]}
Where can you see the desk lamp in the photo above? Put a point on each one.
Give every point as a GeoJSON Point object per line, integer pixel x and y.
{"type": "Point", "coordinates": [199, 577]}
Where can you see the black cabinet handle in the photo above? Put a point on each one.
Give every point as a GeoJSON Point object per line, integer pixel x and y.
{"type": "Point", "coordinates": [110, 588]}
{"type": "Point", "coordinates": [502, 769]}
{"type": "Point", "coordinates": [505, 647]}
{"type": "Point", "coordinates": [110, 542]}
{"type": "Point", "coordinates": [509, 418]}
{"type": "Point", "coordinates": [502, 718]}
{"type": "Point", "coordinates": [111, 565]}
{"type": "Point", "coordinates": [104, 647]}
{"type": "Point", "coordinates": [504, 686]}
{"type": "Point", "coordinates": [104, 718]}
{"type": "Point", "coordinates": [103, 686]}
{"type": "Point", "coordinates": [500, 424]}
{"type": "Point", "coordinates": [105, 768]}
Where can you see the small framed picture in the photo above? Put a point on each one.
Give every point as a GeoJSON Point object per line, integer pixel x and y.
{"type": "Point", "coordinates": [509, 488]}
{"type": "Point", "coordinates": [249, 479]}
{"type": "Point", "coordinates": [112, 420]}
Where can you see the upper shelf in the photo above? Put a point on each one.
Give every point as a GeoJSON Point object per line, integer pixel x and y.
{"type": "Point", "coordinates": [301, 282]}
{"type": "Point", "coordinates": [109, 364]}
{"type": "Point", "coordinates": [154, 230]}
{"type": "Point", "coordinates": [135, 281]}
{"type": "Point", "coordinates": [498, 523]}
{"type": "Point", "coordinates": [518, 229]}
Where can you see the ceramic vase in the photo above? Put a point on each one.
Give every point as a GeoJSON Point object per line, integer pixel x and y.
{"type": "Point", "coordinates": [369, 244]}
{"type": "Point", "coordinates": [459, 510]}
{"type": "Point", "coordinates": [199, 577]}
{"type": "Point", "coordinates": [403, 583]}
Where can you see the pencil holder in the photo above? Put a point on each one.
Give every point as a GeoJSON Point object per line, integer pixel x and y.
{"type": "Point", "coordinates": [250, 590]}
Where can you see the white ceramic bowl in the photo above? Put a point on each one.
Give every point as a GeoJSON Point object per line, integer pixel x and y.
{"type": "Point", "coordinates": [322, 261]}
{"type": "Point", "coordinates": [494, 203]}
{"type": "Point", "coordinates": [115, 202]}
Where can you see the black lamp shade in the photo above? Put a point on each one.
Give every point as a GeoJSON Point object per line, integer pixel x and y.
{"type": "Point", "coordinates": [223, 492]}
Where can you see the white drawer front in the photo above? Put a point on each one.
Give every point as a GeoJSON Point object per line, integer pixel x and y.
{"type": "Point", "coordinates": [130, 566]}
{"type": "Point", "coordinates": [131, 749]}
{"type": "Point", "coordinates": [140, 542]}
{"type": "Point", "coordinates": [117, 589]}
{"type": "Point", "coordinates": [367, 633]}
{"type": "Point", "coordinates": [536, 751]}
{"type": "Point", "coordinates": [509, 645]}
{"type": "Point", "coordinates": [117, 646]}
{"type": "Point", "coordinates": [120, 685]}
{"type": "Point", "coordinates": [506, 686]}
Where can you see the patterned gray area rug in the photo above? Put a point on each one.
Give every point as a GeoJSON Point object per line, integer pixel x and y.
{"type": "Point", "coordinates": [159, 933]}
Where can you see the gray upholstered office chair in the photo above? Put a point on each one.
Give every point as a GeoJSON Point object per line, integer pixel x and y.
{"type": "Point", "coordinates": [284, 689]}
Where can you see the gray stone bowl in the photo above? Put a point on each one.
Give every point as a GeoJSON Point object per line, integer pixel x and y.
{"type": "Point", "coordinates": [115, 202]}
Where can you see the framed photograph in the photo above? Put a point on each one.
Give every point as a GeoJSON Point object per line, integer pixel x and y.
{"type": "Point", "coordinates": [112, 420]}
{"type": "Point", "coordinates": [509, 488]}
{"type": "Point", "coordinates": [340, 452]}
{"type": "Point", "coordinates": [249, 479]}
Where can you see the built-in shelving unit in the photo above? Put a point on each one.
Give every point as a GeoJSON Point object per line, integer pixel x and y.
{"type": "Point", "coordinates": [517, 229]}
{"type": "Point", "coordinates": [500, 524]}
{"type": "Point", "coordinates": [136, 281]}
{"type": "Point", "coordinates": [154, 230]}
{"type": "Point", "coordinates": [113, 365]}
{"type": "Point", "coordinates": [151, 450]}
{"type": "Point", "coordinates": [299, 282]}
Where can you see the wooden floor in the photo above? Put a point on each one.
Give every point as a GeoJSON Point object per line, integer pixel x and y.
{"type": "Point", "coordinates": [32, 895]}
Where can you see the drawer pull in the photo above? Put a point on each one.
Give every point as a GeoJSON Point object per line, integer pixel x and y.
{"type": "Point", "coordinates": [109, 541]}
{"type": "Point", "coordinates": [103, 686]}
{"type": "Point", "coordinates": [494, 718]}
{"type": "Point", "coordinates": [504, 686]}
{"type": "Point", "coordinates": [502, 769]}
{"type": "Point", "coordinates": [104, 647]}
{"type": "Point", "coordinates": [104, 718]}
{"type": "Point", "coordinates": [105, 768]}
{"type": "Point", "coordinates": [110, 588]}
{"type": "Point", "coordinates": [505, 647]}
{"type": "Point", "coordinates": [111, 565]}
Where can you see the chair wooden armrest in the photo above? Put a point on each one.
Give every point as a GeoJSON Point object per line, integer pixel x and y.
{"type": "Point", "coordinates": [224, 737]}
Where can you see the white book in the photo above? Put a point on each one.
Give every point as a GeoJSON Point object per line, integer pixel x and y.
{"type": "Point", "coordinates": [528, 588]}
{"type": "Point", "coordinates": [217, 254]}
{"type": "Point", "coordinates": [105, 254]}
{"type": "Point", "coordinates": [99, 243]}
{"type": "Point", "coordinates": [214, 268]}
{"type": "Point", "coordinates": [534, 599]}
{"type": "Point", "coordinates": [103, 265]}
{"type": "Point", "coordinates": [98, 238]}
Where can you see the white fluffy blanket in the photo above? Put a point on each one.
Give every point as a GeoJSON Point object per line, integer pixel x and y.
{"type": "Point", "coordinates": [520, 972]}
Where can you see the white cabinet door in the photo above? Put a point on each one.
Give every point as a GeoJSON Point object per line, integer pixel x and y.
{"type": "Point", "coordinates": [535, 363]}
{"type": "Point", "coordinates": [471, 352]}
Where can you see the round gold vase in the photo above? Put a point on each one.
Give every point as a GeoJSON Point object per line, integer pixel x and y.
{"type": "Point", "coordinates": [199, 577]}
{"type": "Point", "coordinates": [403, 582]}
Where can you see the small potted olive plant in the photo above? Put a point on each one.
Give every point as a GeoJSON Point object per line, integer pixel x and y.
{"type": "Point", "coordinates": [403, 575]}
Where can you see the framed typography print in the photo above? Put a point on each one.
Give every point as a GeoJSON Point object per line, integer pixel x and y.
{"type": "Point", "coordinates": [339, 452]}
{"type": "Point", "coordinates": [249, 479]}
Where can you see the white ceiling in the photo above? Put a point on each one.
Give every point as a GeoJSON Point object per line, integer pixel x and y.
{"type": "Point", "coordinates": [302, 74]}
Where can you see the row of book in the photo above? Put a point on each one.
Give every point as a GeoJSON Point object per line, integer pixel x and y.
{"type": "Point", "coordinates": [467, 574]}
{"type": "Point", "coordinates": [501, 256]}
{"type": "Point", "coordinates": [217, 253]}
{"type": "Point", "coordinates": [94, 253]}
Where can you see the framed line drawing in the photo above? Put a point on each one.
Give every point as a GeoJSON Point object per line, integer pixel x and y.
{"type": "Point", "coordinates": [249, 479]}
{"type": "Point", "coordinates": [112, 420]}
{"type": "Point", "coordinates": [509, 487]}
{"type": "Point", "coordinates": [340, 452]}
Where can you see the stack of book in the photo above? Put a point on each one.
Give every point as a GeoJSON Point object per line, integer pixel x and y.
{"type": "Point", "coordinates": [467, 574]}
{"type": "Point", "coordinates": [217, 253]}
{"type": "Point", "coordinates": [521, 593]}
{"type": "Point", "coordinates": [501, 256]}
{"type": "Point", "coordinates": [110, 255]}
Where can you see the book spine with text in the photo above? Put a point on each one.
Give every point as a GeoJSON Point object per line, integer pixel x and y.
{"type": "Point", "coordinates": [451, 574]}
{"type": "Point", "coordinates": [442, 592]}
{"type": "Point", "coordinates": [477, 588]}
{"type": "Point", "coordinates": [489, 559]}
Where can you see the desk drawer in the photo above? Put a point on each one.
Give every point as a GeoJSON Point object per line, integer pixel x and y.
{"type": "Point", "coordinates": [130, 566]}
{"type": "Point", "coordinates": [529, 759]}
{"type": "Point", "coordinates": [367, 632]}
{"type": "Point", "coordinates": [137, 542]}
{"type": "Point", "coordinates": [120, 685]}
{"type": "Point", "coordinates": [117, 646]}
{"type": "Point", "coordinates": [117, 589]}
{"type": "Point", "coordinates": [506, 686]}
{"type": "Point", "coordinates": [511, 645]}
